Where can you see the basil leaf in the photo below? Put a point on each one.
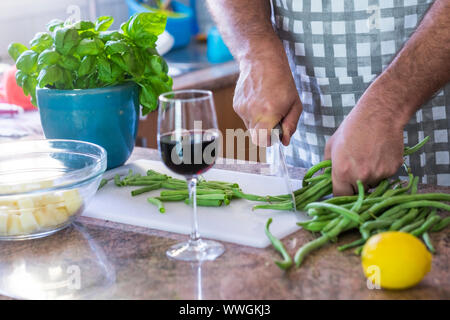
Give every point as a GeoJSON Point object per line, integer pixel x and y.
{"type": "Point", "coordinates": [65, 39]}
{"type": "Point", "coordinates": [144, 28]}
{"type": "Point", "coordinates": [104, 70]}
{"type": "Point", "coordinates": [118, 46]}
{"type": "Point", "coordinates": [103, 23]}
{"type": "Point", "coordinates": [20, 77]}
{"type": "Point", "coordinates": [48, 57]}
{"type": "Point", "coordinates": [53, 24]}
{"type": "Point", "coordinates": [29, 87]}
{"type": "Point", "coordinates": [70, 63]}
{"type": "Point", "coordinates": [41, 41]}
{"type": "Point", "coordinates": [84, 25]}
{"type": "Point", "coordinates": [49, 75]}
{"type": "Point", "coordinates": [27, 61]}
{"type": "Point", "coordinates": [90, 47]}
{"type": "Point", "coordinates": [87, 65]}
{"type": "Point", "coordinates": [15, 50]}
{"type": "Point", "coordinates": [147, 98]}
{"type": "Point", "coordinates": [110, 36]}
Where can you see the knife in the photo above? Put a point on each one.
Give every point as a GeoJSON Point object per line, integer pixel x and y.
{"type": "Point", "coordinates": [276, 135]}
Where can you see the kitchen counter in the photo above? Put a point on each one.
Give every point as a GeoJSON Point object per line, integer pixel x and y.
{"type": "Point", "coordinates": [116, 261]}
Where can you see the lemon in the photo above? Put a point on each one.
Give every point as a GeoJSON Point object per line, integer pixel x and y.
{"type": "Point", "coordinates": [395, 260]}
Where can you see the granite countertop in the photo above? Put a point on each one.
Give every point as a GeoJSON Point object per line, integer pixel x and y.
{"type": "Point", "coordinates": [100, 259]}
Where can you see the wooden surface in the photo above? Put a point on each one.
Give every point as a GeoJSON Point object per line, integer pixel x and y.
{"type": "Point", "coordinates": [136, 266]}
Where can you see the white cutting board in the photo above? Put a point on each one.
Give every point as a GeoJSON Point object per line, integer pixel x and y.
{"type": "Point", "coordinates": [235, 223]}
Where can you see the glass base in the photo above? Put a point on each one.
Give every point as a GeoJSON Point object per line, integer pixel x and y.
{"type": "Point", "coordinates": [199, 250]}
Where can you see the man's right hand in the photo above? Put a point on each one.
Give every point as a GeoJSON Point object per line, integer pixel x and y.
{"type": "Point", "coordinates": [265, 94]}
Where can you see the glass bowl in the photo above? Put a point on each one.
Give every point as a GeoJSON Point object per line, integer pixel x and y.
{"type": "Point", "coordinates": [46, 184]}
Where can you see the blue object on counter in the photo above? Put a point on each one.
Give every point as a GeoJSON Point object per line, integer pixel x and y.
{"type": "Point", "coordinates": [217, 51]}
{"type": "Point", "coordinates": [180, 28]}
{"type": "Point", "coordinates": [106, 116]}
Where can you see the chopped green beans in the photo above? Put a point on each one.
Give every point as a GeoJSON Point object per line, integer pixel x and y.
{"type": "Point", "coordinates": [157, 203]}
{"type": "Point", "coordinates": [148, 188]}
{"type": "Point", "coordinates": [103, 183]}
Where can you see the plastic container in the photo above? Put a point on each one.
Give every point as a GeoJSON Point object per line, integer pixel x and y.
{"type": "Point", "coordinates": [46, 184]}
{"type": "Point", "coordinates": [217, 51]}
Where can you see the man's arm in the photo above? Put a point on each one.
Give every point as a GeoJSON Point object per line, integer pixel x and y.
{"type": "Point", "coordinates": [368, 145]}
{"type": "Point", "coordinates": [265, 92]}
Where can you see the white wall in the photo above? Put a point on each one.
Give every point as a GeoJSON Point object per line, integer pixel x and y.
{"type": "Point", "coordinates": [21, 19]}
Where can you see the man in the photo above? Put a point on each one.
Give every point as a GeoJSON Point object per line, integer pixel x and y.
{"type": "Point", "coordinates": [362, 72]}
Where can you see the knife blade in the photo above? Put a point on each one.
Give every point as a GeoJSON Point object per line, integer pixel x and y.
{"type": "Point", "coordinates": [276, 136]}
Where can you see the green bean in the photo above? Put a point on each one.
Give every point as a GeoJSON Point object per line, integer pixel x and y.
{"type": "Point", "coordinates": [173, 186]}
{"type": "Point", "coordinates": [355, 243]}
{"type": "Point", "coordinates": [342, 199]}
{"type": "Point", "coordinates": [151, 172]}
{"type": "Point", "coordinates": [307, 248]}
{"type": "Point", "coordinates": [404, 198]}
{"type": "Point", "coordinates": [287, 205]}
{"type": "Point", "coordinates": [380, 189]}
{"type": "Point", "coordinates": [415, 185]}
{"type": "Point", "coordinates": [427, 240]}
{"type": "Point", "coordinates": [334, 208]}
{"type": "Point", "coordinates": [320, 194]}
{"type": "Point", "coordinates": [137, 183]}
{"type": "Point", "coordinates": [409, 217]}
{"type": "Point", "coordinates": [206, 202]}
{"type": "Point", "coordinates": [315, 226]}
{"type": "Point", "coordinates": [319, 242]}
{"type": "Point", "coordinates": [318, 178]}
{"type": "Point", "coordinates": [252, 197]}
{"type": "Point", "coordinates": [179, 197]}
{"type": "Point", "coordinates": [145, 189]}
{"type": "Point", "coordinates": [358, 250]}
{"type": "Point", "coordinates": [103, 183]}
{"type": "Point", "coordinates": [441, 225]}
{"type": "Point", "coordinates": [367, 227]}
{"type": "Point", "coordinates": [416, 204]}
{"type": "Point", "coordinates": [333, 223]}
{"type": "Point", "coordinates": [394, 192]}
{"type": "Point", "coordinates": [412, 226]}
{"type": "Point", "coordinates": [157, 203]}
{"type": "Point", "coordinates": [117, 181]}
{"type": "Point", "coordinates": [410, 150]}
{"type": "Point", "coordinates": [311, 191]}
{"type": "Point", "coordinates": [431, 220]}
{"type": "Point", "coordinates": [325, 217]}
{"type": "Point", "coordinates": [217, 196]}
{"type": "Point", "coordinates": [278, 245]}
{"type": "Point", "coordinates": [314, 169]}
{"type": "Point", "coordinates": [358, 202]}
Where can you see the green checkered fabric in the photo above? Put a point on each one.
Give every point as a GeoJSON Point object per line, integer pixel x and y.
{"type": "Point", "coordinates": [336, 48]}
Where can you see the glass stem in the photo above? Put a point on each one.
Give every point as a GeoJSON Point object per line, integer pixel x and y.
{"type": "Point", "coordinates": [192, 185]}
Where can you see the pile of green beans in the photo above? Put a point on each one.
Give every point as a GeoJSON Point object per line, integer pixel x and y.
{"type": "Point", "coordinates": [391, 206]}
{"type": "Point", "coordinates": [209, 193]}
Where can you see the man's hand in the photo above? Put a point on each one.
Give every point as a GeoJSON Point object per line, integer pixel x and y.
{"type": "Point", "coordinates": [367, 146]}
{"type": "Point", "coordinates": [265, 95]}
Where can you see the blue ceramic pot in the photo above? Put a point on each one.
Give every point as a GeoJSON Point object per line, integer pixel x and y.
{"type": "Point", "coordinates": [106, 116]}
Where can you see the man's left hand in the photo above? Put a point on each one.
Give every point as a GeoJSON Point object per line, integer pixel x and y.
{"type": "Point", "coordinates": [367, 146]}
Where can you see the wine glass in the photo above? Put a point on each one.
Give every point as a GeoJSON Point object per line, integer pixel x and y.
{"type": "Point", "coordinates": [188, 140]}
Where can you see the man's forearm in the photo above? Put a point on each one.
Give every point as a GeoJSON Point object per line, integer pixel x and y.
{"type": "Point", "coordinates": [245, 26]}
{"type": "Point", "coordinates": [421, 67]}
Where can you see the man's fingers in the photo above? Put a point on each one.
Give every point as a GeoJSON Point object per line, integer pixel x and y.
{"type": "Point", "coordinates": [261, 132]}
{"type": "Point", "coordinates": [327, 153]}
{"type": "Point", "coordinates": [290, 121]}
{"type": "Point", "coordinates": [342, 188]}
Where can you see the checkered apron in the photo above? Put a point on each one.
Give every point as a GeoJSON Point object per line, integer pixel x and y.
{"type": "Point", "coordinates": [335, 49]}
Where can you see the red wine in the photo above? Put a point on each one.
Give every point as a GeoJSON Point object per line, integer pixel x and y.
{"type": "Point", "coordinates": [190, 153]}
